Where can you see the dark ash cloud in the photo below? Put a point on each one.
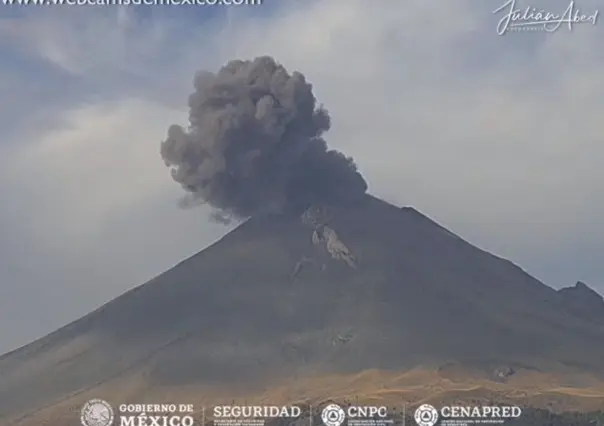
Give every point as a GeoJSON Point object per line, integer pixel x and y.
{"type": "Point", "coordinates": [255, 144]}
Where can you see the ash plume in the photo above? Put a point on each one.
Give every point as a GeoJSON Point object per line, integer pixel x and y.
{"type": "Point", "coordinates": [255, 144]}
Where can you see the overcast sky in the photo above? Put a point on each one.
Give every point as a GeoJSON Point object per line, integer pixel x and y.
{"type": "Point", "coordinates": [499, 138]}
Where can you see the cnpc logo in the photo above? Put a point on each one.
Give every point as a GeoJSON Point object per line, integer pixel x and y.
{"type": "Point", "coordinates": [334, 415]}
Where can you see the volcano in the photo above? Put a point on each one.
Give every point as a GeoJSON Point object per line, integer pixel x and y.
{"type": "Point", "coordinates": [336, 291]}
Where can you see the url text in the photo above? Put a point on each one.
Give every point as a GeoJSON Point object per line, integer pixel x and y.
{"type": "Point", "coordinates": [131, 2]}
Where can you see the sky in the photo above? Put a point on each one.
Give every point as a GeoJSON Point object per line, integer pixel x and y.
{"type": "Point", "coordinates": [497, 137]}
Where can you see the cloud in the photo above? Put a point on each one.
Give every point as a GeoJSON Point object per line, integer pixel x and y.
{"type": "Point", "coordinates": [98, 163]}
{"type": "Point", "coordinates": [62, 37]}
{"type": "Point", "coordinates": [498, 138]}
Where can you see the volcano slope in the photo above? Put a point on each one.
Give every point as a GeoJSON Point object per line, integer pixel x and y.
{"type": "Point", "coordinates": [379, 287]}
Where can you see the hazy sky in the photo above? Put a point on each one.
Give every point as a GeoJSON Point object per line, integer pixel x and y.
{"type": "Point", "coordinates": [499, 138]}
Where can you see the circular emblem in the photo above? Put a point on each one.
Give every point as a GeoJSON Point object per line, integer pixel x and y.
{"type": "Point", "coordinates": [426, 415]}
{"type": "Point", "coordinates": [97, 412]}
{"type": "Point", "coordinates": [333, 415]}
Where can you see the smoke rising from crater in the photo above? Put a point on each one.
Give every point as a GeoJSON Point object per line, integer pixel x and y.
{"type": "Point", "coordinates": [255, 144]}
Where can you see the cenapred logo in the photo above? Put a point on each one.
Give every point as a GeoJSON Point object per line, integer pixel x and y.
{"type": "Point", "coordinates": [97, 412]}
{"type": "Point", "coordinates": [333, 415]}
{"type": "Point", "coordinates": [426, 415]}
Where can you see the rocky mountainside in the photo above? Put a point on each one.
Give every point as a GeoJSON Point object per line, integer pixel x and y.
{"type": "Point", "coordinates": [372, 286]}
{"type": "Point", "coordinates": [585, 300]}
